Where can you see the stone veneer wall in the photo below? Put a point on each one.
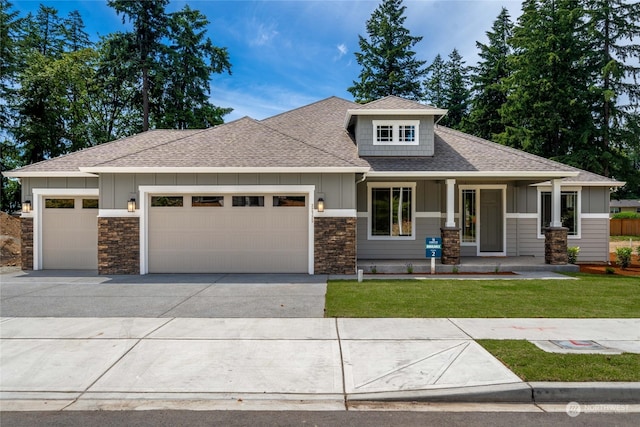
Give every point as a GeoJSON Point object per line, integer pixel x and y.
{"type": "Point", "coordinates": [450, 246]}
{"type": "Point", "coordinates": [555, 246]}
{"type": "Point", "coordinates": [335, 245]}
{"type": "Point", "coordinates": [119, 245]}
{"type": "Point", "coordinates": [26, 235]}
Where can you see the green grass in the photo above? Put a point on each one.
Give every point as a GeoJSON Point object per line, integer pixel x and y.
{"type": "Point", "coordinates": [532, 364]}
{"type": "Point", "coordinates": [590, 296]}
{"type": "Point", "coordinates": [624, 238]}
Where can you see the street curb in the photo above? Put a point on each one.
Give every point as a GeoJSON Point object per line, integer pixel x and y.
{"type": "Point", "coordinates": [534, 392]}
{"type": "Point", "coordinates": [601, 392]}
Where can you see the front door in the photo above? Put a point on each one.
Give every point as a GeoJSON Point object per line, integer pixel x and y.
{"type": "Point", "coordinates": [491, 222]}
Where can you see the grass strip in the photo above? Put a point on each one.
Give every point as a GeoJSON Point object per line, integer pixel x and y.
{"type": "Point", "coordinates": [590, 296]}
{"type": "Point", "coordinates": [533, 364]}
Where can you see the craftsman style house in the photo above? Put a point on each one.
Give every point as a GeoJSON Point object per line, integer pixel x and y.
{"type": "Point", "coordinates": [314, 190]}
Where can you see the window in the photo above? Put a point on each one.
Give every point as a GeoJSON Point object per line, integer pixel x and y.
{"type": "Point", "coordinates": [395, 132]}
{"type": "Point", "coordinates": [614, 210]}
{"type": "Point", "coordinates": [207, 201]}
{"type": "Point", "coordinates": [166, 201]}
{"type": "Point", "coordinates": [568, 211]}
{"type": "Point", "coordinates": [59, 203]}
{"type": "Point", "coordinates": [392, 212]}
{"type": "Point", "coordinates": [468, 216]}
{"type": "Point", "coordinates": [248, 201]}
{"type": "Point", "coordinates": [90, 204]}
{"type": "Point", "coordinates": [289, 201]}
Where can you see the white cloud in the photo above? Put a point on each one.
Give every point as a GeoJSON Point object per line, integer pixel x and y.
{"type": "Point", "coordinates": [264, 35]}
{"type": "Point", "coordinates": [342, 48]}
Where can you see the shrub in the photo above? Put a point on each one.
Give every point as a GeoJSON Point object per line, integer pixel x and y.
{"type": "Point", "coordinates": [623, 257]}
{"type": "Point", "coordinates": [638, 250]}
{"type": "Point", "coordinates": [572, 253]}
{"type": "Point", "coordinates": [626, 215]}
{"type": "Point", "coordinates": [610, 270]}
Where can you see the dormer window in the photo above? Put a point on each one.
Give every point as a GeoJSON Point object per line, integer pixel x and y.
{"type": "Point", "coordinates": [395, 132]}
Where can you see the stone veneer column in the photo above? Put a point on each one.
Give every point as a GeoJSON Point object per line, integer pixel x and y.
{"type": "Point", "coordinates": [335, 245]}
{"type": "Point", "coordinates": [555, 245]}
{"type": "Point", "coordinates": [26, 249]}
{"type": "Point", "coordinates": [450, 246]}
{"type": "Point", "coordinates": [119, 245]}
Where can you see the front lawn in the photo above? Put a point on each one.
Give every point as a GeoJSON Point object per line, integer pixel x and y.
{"type": "Point", "coordinates": [592, 296]}
{"type": "Point", "coordinates": [532, 364]}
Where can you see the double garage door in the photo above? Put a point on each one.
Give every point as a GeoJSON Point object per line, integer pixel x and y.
{"type": "Point", "coordinates": [228, 233]}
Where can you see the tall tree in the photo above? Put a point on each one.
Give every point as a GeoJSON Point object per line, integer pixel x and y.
{"type": "Point", "coordinates": [613, 28]}
{"type": "Point", "coordinates": [149, 20]}
{"type": "Point", "coordinates": [489, 91]}
{"type": "Point", "coordinates": [389, 64]}
{"type": "Point", "coordinates": [545, 112]}
{"type": "Point", "coordinates": [75, 36]}
{"type": "Point", "coordinates": [190, 60]}
{"type": "Point", "coordinates": [457, 91]}
{"type": "Point", "coordinates": [434, 85]}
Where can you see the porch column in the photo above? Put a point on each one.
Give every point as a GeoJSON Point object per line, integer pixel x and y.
{"type": "Point", "coordinates": [555, 236]}
{"type": "Point", "coordinates": [450, 233]}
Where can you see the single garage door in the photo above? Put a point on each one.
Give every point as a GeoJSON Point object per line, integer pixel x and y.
{"type": "Point", "coordinates": [70, 233]}
{"type": "Point", "coordinates": [266, 233]}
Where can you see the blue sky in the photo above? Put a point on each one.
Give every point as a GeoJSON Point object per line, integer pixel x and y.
{"type": "Point", "coordinates": [286, 54]}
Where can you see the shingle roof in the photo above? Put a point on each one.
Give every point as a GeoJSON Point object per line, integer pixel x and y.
{"type": "Point", "coordinates": [625, 203]}
{"type": "Point", "coordinates": [392, 102]}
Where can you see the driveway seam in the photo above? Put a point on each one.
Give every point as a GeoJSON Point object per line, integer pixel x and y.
{"type": "Point", "coordinates": [116, 362]}
{"type": "Point", "coordinates": [344, 385]}
{"type": "Point", "coordinates": [191, 296]}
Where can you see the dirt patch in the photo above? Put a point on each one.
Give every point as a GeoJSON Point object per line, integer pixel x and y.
{"type": "Point", "coordinates": [632, 270]}
{"type": "Point", "coordinates": [9, 240]}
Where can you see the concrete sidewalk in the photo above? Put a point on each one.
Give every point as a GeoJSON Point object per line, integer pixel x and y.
{"type": "Point", "coordinates": [306, 363]}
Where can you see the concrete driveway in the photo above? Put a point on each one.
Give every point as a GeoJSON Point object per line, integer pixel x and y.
{"type": "Point", "coordinates": [85, 294]}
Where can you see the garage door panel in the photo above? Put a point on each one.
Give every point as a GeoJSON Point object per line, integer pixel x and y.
{"type": "Point", "coordinates": [228, 239]}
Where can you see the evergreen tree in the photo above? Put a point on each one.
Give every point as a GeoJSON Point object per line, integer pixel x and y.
{"type": "Point", "coordinates": [457, 91]}
{"type": "Point", "coordinates": [150, 23]}
{"type": "Point", "coordinates": [190, 61]}
{"type": "Point", "coordinates": [389, 64]}
{"type": "Point", "coordinates": [613, 27]}
{"type": "Point", "coordinates": [489, 91]}
{"type": "Point", "coordinates": [434, 84]}
{"type": "Point", "coordinates": [545, 112]}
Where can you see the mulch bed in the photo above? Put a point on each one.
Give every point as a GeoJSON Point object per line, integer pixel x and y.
{"type": "Point", "coordinates": [632, 270]}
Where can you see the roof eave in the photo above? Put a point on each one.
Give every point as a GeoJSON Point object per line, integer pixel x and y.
{"type": "Point", "coordinates": [589, 183]}
{"type": "Point", "coordinates": [389, 111]}
{"type": "Point", "coordinates": [474, 174]}
{"type": "Point", "coordinates": [207, 169]}
{"type": "Point", "coordinates": [51, 174]}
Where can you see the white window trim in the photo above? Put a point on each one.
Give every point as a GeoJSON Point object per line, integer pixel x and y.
{"type": "Point", "coordinates": [548, 189]}
{"type": "Point", "coordinates": [477, 188]}
{"type": "Point", "coordinates": [396, 132]}
{"type": "Point", "coordinates": [370, 186]}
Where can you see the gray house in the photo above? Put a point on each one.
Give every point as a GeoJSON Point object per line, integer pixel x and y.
{"type": "Point", "coordinates": [317, 189]}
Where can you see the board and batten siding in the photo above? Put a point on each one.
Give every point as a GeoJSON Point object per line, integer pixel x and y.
{"type": "Point", "coordinates": [338, 189]}
{"type": "Point", "coordinates": [28, 184]}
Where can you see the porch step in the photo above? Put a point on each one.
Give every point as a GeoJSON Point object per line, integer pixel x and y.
{"type": "Point", "coordinates": [467, 265]}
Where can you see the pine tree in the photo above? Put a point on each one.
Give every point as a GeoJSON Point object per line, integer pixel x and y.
{"type": "Point", "coordinates": [434, 84]}
{"type": "Point", "coordinates": [190, 61]}
{"type": "Point", "coordinates": [389, 65]}
{"type": "Point", "coordinates": [613, 27]}
{"type": "Point", "coordinates": [489, 90]}
{"type": "Point", "coordinates": [546, 113]}
{"type": "Point", "coordinates": [457, 91]}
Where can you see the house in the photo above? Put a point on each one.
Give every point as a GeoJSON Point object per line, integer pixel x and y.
{"type": "Point", "coordinates": [312, 190]}
{"type": "Point", "coordinates": [617, 206]}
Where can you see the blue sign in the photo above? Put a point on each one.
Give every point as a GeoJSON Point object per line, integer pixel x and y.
{"type": "Point", "coordinates": [433, 246]}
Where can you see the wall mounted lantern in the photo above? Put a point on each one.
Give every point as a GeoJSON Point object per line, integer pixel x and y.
{"type": "Point", "coordinates": [320, 204]}
{"type": "Point", "coordinates": [131, 205]}
{"type": "Point", "coordinates": [26, 206]}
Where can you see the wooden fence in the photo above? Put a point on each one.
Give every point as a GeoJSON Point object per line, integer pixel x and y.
{"type": "Point", "coordinates": [625, 227]}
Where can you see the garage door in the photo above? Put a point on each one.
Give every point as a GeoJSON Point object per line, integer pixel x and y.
{"type": "Point", "coordinates": [70, 233]}
{"type": "Point", "coordinates": [266, 233]}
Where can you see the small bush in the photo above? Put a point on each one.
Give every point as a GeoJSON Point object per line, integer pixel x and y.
{"type": "Point", "coordinates": [572, 254]}
{"type": "Point", "coordinates": [626, 215]}
{"type": "Point", "coordinates": [623, 257]}
{"type": "Point", "coordinates": [638, 250]}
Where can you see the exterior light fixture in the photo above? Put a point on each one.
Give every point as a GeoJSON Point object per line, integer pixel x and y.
{"type": "Point", "coordinates": [320, 204]}
{"type": "Point", "coordinates": [26, 206]}
{"type": "Point", "coordinates": [131, 205]}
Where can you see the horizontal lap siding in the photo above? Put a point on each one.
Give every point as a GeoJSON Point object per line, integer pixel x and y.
{"type": "Point", "coordinates": [526, 232]}
{"type": "Point", "coordinates": [594, 244]}
{"type": "Point", "coordinates": [398, 249]}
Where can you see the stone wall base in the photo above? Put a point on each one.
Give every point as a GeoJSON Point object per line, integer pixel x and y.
{"type": "Point", "coordinates": [335, 245]}
{"type": "Point", "coordinates": [450, 246]}
{"type": "Point", "coordinates": [555, 246]}
{"type": "Point", "coordinates": [26, 235]}
{"type": "Point", "coordinates": [119, 245]}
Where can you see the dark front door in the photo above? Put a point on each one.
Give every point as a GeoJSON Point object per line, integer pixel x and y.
{"type": "Point", "coordinates": [491, 221]}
